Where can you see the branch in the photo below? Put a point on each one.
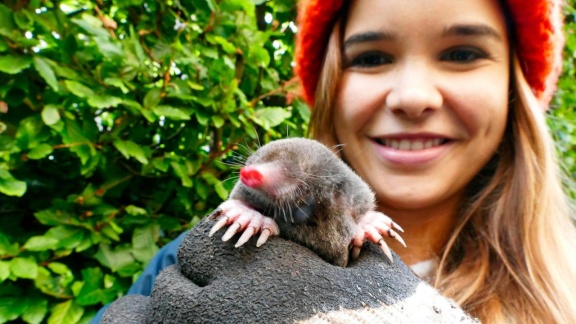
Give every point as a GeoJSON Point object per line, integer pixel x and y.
{"type": "Point", "coordinates": [59, 146]}
{"type": "Point", "coordinates": [281, 89]}
{"type": "Point", "coordinates": [102, 190]}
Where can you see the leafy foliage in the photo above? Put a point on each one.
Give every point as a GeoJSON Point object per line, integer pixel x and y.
{"type": "Point", "coordinates": [563, 115]}
{"type": "Point", "coordinates": [114, 116]}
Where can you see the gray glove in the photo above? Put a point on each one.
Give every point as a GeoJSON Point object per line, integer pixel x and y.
{"type": "Point", "coordinates": [281, 282]}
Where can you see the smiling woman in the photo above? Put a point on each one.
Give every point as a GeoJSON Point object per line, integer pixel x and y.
{"type": "Point", "coordinates": [438, 105]}
{"type": "Point", "coordinates": [422, 79]}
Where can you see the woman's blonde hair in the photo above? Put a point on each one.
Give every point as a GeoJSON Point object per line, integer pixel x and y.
{"type": "Point", "coordinates": [512, 256]}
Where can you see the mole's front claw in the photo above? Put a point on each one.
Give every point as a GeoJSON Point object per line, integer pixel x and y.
{"type": "Point", "coordinates": [384, 247]}
{"type": "Point", "coordinates": [242, 217]}
{"type": "Point", "coordinates": [391, 234]}
{"type": "Point", "coordinates": [223, 221]}
{"type": "Point", "coordinates": [269, 228]}
{"type": "Point", "coordinates": [248, 233]}
{"type": "Point", "coordinates": [374, 226]}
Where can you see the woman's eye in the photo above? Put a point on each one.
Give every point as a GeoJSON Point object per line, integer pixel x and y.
{"type": "Point", "coordinates": [463, 55]}
{"type": "Point", "coordinates": [367, 60]}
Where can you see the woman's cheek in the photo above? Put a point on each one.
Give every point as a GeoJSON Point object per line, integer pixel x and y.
{"type": "Point", "coordinates": [481, 107]}
{"type": "Point", "coordinates": [355, 99]}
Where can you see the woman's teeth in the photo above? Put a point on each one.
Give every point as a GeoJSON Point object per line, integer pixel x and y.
{"type": "Point", "coordinates": [411, 145]}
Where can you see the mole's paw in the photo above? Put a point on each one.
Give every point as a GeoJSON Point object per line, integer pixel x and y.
{"type": "Point", "coordinates": [373, 226]}
{"type": "Point", "coordinates": [242, 217]}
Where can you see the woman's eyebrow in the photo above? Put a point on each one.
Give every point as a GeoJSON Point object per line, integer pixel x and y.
{"type": "Point", "coordinates": [454, 30]}
{"type": "Point", "coordinates": [368, 37]}
{"type": "Point", "coordinates": [472, 30]}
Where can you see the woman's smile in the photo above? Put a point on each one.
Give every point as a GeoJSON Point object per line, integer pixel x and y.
{"type": "Point", "coordinates": [411, 150]}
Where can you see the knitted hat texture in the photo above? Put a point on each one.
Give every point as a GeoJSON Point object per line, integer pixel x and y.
{"type": "Point", "coordinates": [537, 24]}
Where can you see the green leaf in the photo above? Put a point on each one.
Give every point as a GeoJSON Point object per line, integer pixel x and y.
{"type": "Point", "coordinates": [109, 48]}
{"type": "Point", "coordinates": [91, 292]}
{"type": "Point", "coordinates": [63, 71]}
{"type": "Point", "coordinates": [22, 20]}
{"type": "Point", "coordinates": [3, 45]}
{"type": "Point", "coordinates": [171, 112]}
{"type": "Point", "coordinates": [136, 211]}
{"type": "Point", "coordinates": [92, 25]}
{"type": "Point", "coordinates": [6, 22]}
{"type": "Point", "coordinates": [131, 149]}
{"type": "Point", "coordinates": [10, 308]}
{"type": "Point", "coordinates": [132, 106]}
{"type": "Point", "coordinates": [50, 115]}
{"type": "Point", "coordinates": [68, 312]}
{"type": "Point", "coordinates": [110, 232]}
{"type": "Point", "coordinates": [303, 110]}
{"type": "Point", "coordinates": [114, 259]}
{"type": "Point", "coordinates": [85, 244]}
{"type": "Point", "coordinates": [13, 64]}
{"type": "Point", "coordinates": [161, 164]}
{"type": "Point", "coordinates": [45, 72]}
{"type": "Point", "coordinates": [129, 270]}
{"type": "Point", "coordinates": [24, 268]}
{"type": "Point", "coordinates": [182, 172]}
{"type": "Point", "coordinates": [194, 85]}
{"type": "Point", "coordinates": [49, 284]}
{"type": "Point", "coordinates": [218, 121]}
{"type": "Point", "coordinates": [4, 270]}
{"type": "Point", "coordinates": [219, 40]}
{"type": "Point", "coordinates": [120, 145]}
{"type": "Point", "coordinates": [271, 117]}
{"type": "Point", "coordinates": [74, 134]}
{"type": "Point", "coordinates": [261, 56]}
{"type": "Point", "coordinates": [35, 311]}
{"type": "Point", "coordinates": [7, 247]}
{"type": "Point", "coordinates": [135, 151]}
{"type": "Point", "coordinates": [79, 89]}
{"type": "Point", "coordinates": [94, 296]}
{"type": "Point", "coordinates": [221, 191]}
{"type": "Point", "coordinates": [212, 5]}
{"type": "Point", "coordinates": [203, 101]}
{"type": "Point", "coordinates": [152, 98]}
{"type": "Point", "coordinates": [116, 82]}
{"type": "Point", "coordinates": [144, 243]}
{"type": "Point", "coordinates": [149, 115]}
{"type": "Point", "coordinates": [31, 132]}
{"type": "Point", "coordinates": [10, 186]}
{"type": "Point", "coordinates": [202, 118]}
{"type": "Point", "coordinates": [68, 237]}
{"type": "Point", "coordinates": [103, 101]}
{"type": "Point", "coordinates": [55, 217]}
{"type": "Point", "coordinates": [40, 151]}
{"type": "Point", "coordinates": [60, 268]}
{"type": "Point", "coordinates": [40, 243]}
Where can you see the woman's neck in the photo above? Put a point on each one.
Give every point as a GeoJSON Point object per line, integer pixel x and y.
{"type": "Point", "coordinates": [426, 232]}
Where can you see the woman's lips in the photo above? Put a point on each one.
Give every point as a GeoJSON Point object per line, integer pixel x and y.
{"type": "Point", "coordinates": [411, 144]}
{"type": "Point", "coordinates": [411, 151]}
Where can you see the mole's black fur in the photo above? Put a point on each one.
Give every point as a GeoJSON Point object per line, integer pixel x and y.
{"type": "Point", "coordinates": [317, 199]}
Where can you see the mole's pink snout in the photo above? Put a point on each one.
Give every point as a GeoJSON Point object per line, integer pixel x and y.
{"type": "Point", "coordinates": [251, 177]}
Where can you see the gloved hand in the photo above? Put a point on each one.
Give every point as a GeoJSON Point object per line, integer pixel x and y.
{"type": "Point", "coordinates": [282, 282]}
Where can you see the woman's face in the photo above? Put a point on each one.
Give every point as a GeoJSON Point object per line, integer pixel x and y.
{"type": "Point", "coordinates": [423, 99]}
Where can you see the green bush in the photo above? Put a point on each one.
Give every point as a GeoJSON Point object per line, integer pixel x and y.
{"type": "Point", "coordinates": [562, 117]}
{"type": "Point", "coordinates": [120, 124]}
{"type": "Point", "coordinates": [115, 117]}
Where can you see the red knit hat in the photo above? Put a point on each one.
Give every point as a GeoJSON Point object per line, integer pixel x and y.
{"type": "Point", "coordinates": [538, 27]}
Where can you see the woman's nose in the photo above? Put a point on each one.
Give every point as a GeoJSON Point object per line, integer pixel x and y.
{"type": "Point", "coordinates": [414, 92]}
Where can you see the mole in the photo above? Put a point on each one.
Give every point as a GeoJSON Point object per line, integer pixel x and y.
{"type": "Point", "coordinates": [301, 190]}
